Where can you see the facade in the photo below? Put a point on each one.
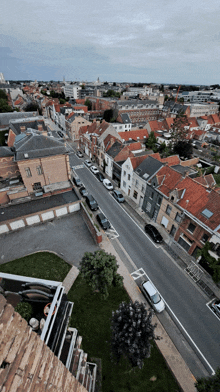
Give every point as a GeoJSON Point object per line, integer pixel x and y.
{"type": "Point", "coordinates": [139, 111]}
{"type": "Point", "coordinates": [72, 91]}
{"type": "Point", "coordinates": [141, 175]}
{"type": "Point", "coordinates": [73, 123]}
{"type": "Point", "coordinates": [197, 110]}
{"type": "Point", "coordinates": [127, 170]}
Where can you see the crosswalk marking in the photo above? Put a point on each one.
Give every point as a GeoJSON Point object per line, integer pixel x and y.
{"type": "Point", "coordinates": [137, 274]}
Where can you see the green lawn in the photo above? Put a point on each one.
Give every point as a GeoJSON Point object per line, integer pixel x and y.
{"type": "Point", "coordinates": [43, 265]}
{"type": "Point", "coordinates": [91, 316]}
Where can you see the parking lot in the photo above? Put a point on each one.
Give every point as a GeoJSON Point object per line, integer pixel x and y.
{"type": "Point", "coordinates": [69, 237]}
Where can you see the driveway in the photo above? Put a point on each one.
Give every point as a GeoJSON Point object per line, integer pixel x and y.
{"type": "Point", "coordinates": [69, 237]}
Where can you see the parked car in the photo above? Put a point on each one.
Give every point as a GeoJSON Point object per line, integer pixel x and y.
{"type": "Point", "coordinates": [88, 162]}
{"type": "Point", "coordinates": [103, 221]}
{"type": "Point", "coordinates": [79, 154]}
{"type": "Point", "coordinates": [77, 181]}
{"type": "Point", "coordinates": [118, 196]}
{"type": "Point", "coordinates": [94, 169]}
{"type": "Point", "coordinates": [92, 203]}
{"type": "Point", "coordinates": [216, 306]}
{"type": "Point", "coordinates": [107, 184]}
{"type": "Point", "coordinates": [153, 296]}
{"type": "Point", "coordinates": [153, 233]}
{"type": "Point", "coordinates": [83, 191]}
{"type": "Point", "coordinates": [100, 176]}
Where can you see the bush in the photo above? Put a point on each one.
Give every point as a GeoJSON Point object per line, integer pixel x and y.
{"type": "Point", "coordinates": [24, 309]}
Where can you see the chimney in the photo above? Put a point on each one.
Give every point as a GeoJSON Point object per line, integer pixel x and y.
{"type": "Point", "coordinates": [40, 127]}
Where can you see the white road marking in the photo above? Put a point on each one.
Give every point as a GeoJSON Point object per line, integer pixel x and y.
{"type": "Point", "coordinates": [182, 327]}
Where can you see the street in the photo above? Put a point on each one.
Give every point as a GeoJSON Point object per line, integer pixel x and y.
{"type": "Point", "coordinates": [184, 299]}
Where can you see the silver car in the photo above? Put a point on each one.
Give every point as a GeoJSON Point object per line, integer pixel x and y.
{"type": "Point", "coordinates": [153, 296]}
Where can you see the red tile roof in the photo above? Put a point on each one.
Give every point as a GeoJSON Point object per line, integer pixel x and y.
{"type": "Point", "coordinates": [134, 134]}
{"type": "Point", "coordinates": [135, 146]}
{"type": "Point", "coordinates": [136, 161]}
{"type": "Point", "coordinates": [193, 122]}
{"type": "Point", "coordinates": [208, 181]}
{"type": "Point", "coordinates": [167, 179]}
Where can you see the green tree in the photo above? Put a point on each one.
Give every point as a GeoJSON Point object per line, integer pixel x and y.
{"type": "Point", "coordinates": [209, 384]}
{"type": "Point", "coordinates": [209, 262]}
{"type": "Point", "coordinates": [151, 141]}
{"type": "Point", "coordinates": [132, 332]}
{"type": "Point", "coordinates": [180, 129]}
{"type": "Point", "coordinates": [88, 103]}
{"type": "Point", "coordinates": [99, 269]}
{"type": "Point", "coordinates": [33, 107]}
{"type": "Point", "coordinates": [110, 115]}
{"type": "Point", "coordinates": [183, 148]}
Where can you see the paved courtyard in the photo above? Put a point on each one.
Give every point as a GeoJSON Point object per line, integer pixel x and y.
{"type": "Point", "coordinates": [69, 237]}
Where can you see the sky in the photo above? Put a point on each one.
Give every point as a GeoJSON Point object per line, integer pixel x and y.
{"type": "Point", "coordinates": [160, 41]}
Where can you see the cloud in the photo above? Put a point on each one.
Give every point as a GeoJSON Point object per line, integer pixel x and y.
{"type": "Point", "coordinates": [159, 39]}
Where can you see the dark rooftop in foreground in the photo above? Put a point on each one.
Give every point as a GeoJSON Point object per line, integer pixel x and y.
{"type": "Point", "coordinates": [35, 206]}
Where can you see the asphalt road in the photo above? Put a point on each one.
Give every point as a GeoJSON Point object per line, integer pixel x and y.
{"type": "Point", "coordinates": [183, 298]}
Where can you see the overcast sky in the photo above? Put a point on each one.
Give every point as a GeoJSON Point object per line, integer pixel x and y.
{"type": "Point", "coordinates": [161, 41]}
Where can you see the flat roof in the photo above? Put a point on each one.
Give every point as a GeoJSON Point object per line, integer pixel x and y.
{"type": "Point", "coordinates": [34, 206]}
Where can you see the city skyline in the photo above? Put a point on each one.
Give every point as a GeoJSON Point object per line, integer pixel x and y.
{"type": "Point", "coordinates": [172, 42]}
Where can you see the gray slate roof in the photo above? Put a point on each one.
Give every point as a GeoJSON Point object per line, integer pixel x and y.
{"type": "Point", "coordinates": [5, 152]}
{"type": "Point", "coordinates": [149, 166]}
{"type": "Point", "coordinates": [115, 149]}
{"type": "Point", "coordinates": [125, 118]}
{"type": "Point", "coordinates": [6, 117]}
{"type": "Point", "coordinates": [30, 123]}
{"type": "Point", "coordinates": [36, 145]}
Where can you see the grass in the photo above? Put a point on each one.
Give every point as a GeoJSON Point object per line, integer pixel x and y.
{"type": "Point", "coordinates": [92, 319]}
{"type": "Point", "coordinates": [42, 265]}
{"type": "Point", "coordinates": [91, 316]}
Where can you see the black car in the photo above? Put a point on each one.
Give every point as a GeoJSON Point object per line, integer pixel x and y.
{"type": "Point", "coordinates": [103, 221]}
{"type": "Point", "coordinates": [83, 191]}
{"type": "Point", "coordinates": [153, 233]}
{"type": "Point", "coordinates": [92, 203]}
{"type": "Point", "coordinates": [100, 176]}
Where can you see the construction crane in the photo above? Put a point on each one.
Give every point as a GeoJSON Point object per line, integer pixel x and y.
{"type": "Point", "coordinates": [177, 93]}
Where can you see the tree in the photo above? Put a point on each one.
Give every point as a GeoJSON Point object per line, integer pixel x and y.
{"type": "Point", "coordinates": [183, 148]}
{"type": "Point", "coordinates": [151, 141]}
{"type": "Point", "coordinates": [209, 384]}
{"type": "Point", "coordinates": [110, 115]}
{"type": "Point", "coordinates": [180, 129]}
{"type": "Point", "coordinates": [132, 332]}
{"type": "Point", "coordinates": [33, 107]}
{"type": "Point", "coordinates": [88, 103]}
{"type": "Point", "coordinates": [208, 262]}
{"type": "Point", "coordinates": [99, 269]}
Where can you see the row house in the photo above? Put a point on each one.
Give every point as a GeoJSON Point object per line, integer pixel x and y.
{"type": "Point", "coordinates": [37, 163]}
{"type": "Point", "coordinates": [92, 140]}
{"type": "Point", "coordinates": [123, 123]}
{"type": "Point", "coordinates": [188, 208]}
{"type": "Point", "coordinates": [127, 170]}
{"type": "Point", "coordinates": [116, 155]}
{"type": "Point", "coordinates": [73, 122]}
{"type": "Point", "coordinates": [139, 135]}
{"type": "Point", "coordinates": [173, 109]}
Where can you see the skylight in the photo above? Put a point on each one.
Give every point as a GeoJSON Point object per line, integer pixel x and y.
{"type": "Point", "coordinates": [207, 213]}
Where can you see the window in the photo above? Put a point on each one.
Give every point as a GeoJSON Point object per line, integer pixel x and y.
{"type": "Point", "coordinates": [159, 201]}
{"type": "Point", "coordinates": [205, 238]}
{"type": "Point", "coordinates": [191, 227]}
{"type": "Point", "coordinates": [168, 209]}
{"type": "Point", "coordinates": [178, 217]}
{"type": "Point", "coordinates": [37, 186]}
{"type": "Point", "coordinates": [124, 173]}
{"type": "Point", "coordinates": [135, 195]}
{"type": "Point", "coordinates": [39, 170]}
{"type": "Point", "coordinates": [136, 183]}
{"type": "Point", "coordinates": [142, 188]}
{"type": "Point", "coordinates": [28, 172]}
{"type": "Point", "coordinates": [124, 184]}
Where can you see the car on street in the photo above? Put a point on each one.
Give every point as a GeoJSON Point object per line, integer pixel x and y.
{"type": "Point", "coordinates": [118, 196]}
{"type": "Point", "coordinates": [79, 154]}
{"type": "Point", "coordinates": [92, 203]}
{"type": "Point", "coordinates": [107, 184]}
{"type": "Point", "coordinates": [103, 221]}
{"type": "Point", "coordinates": [100, 176]}
{"type": "Point", "coordinates": [88, 162]}
{"type": "Point", "coordinates": [216, 306]}
{"type": "Point", "coordinates": [83, 191]}
{"type": "Point", "coordinates": [153, 296]}
{"type": "Point", "coordinates": [153, 233]}
{"type": "Point", "coordinates": [77, 181]}
{"type": "Point", "coordinates": [94, 169]}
